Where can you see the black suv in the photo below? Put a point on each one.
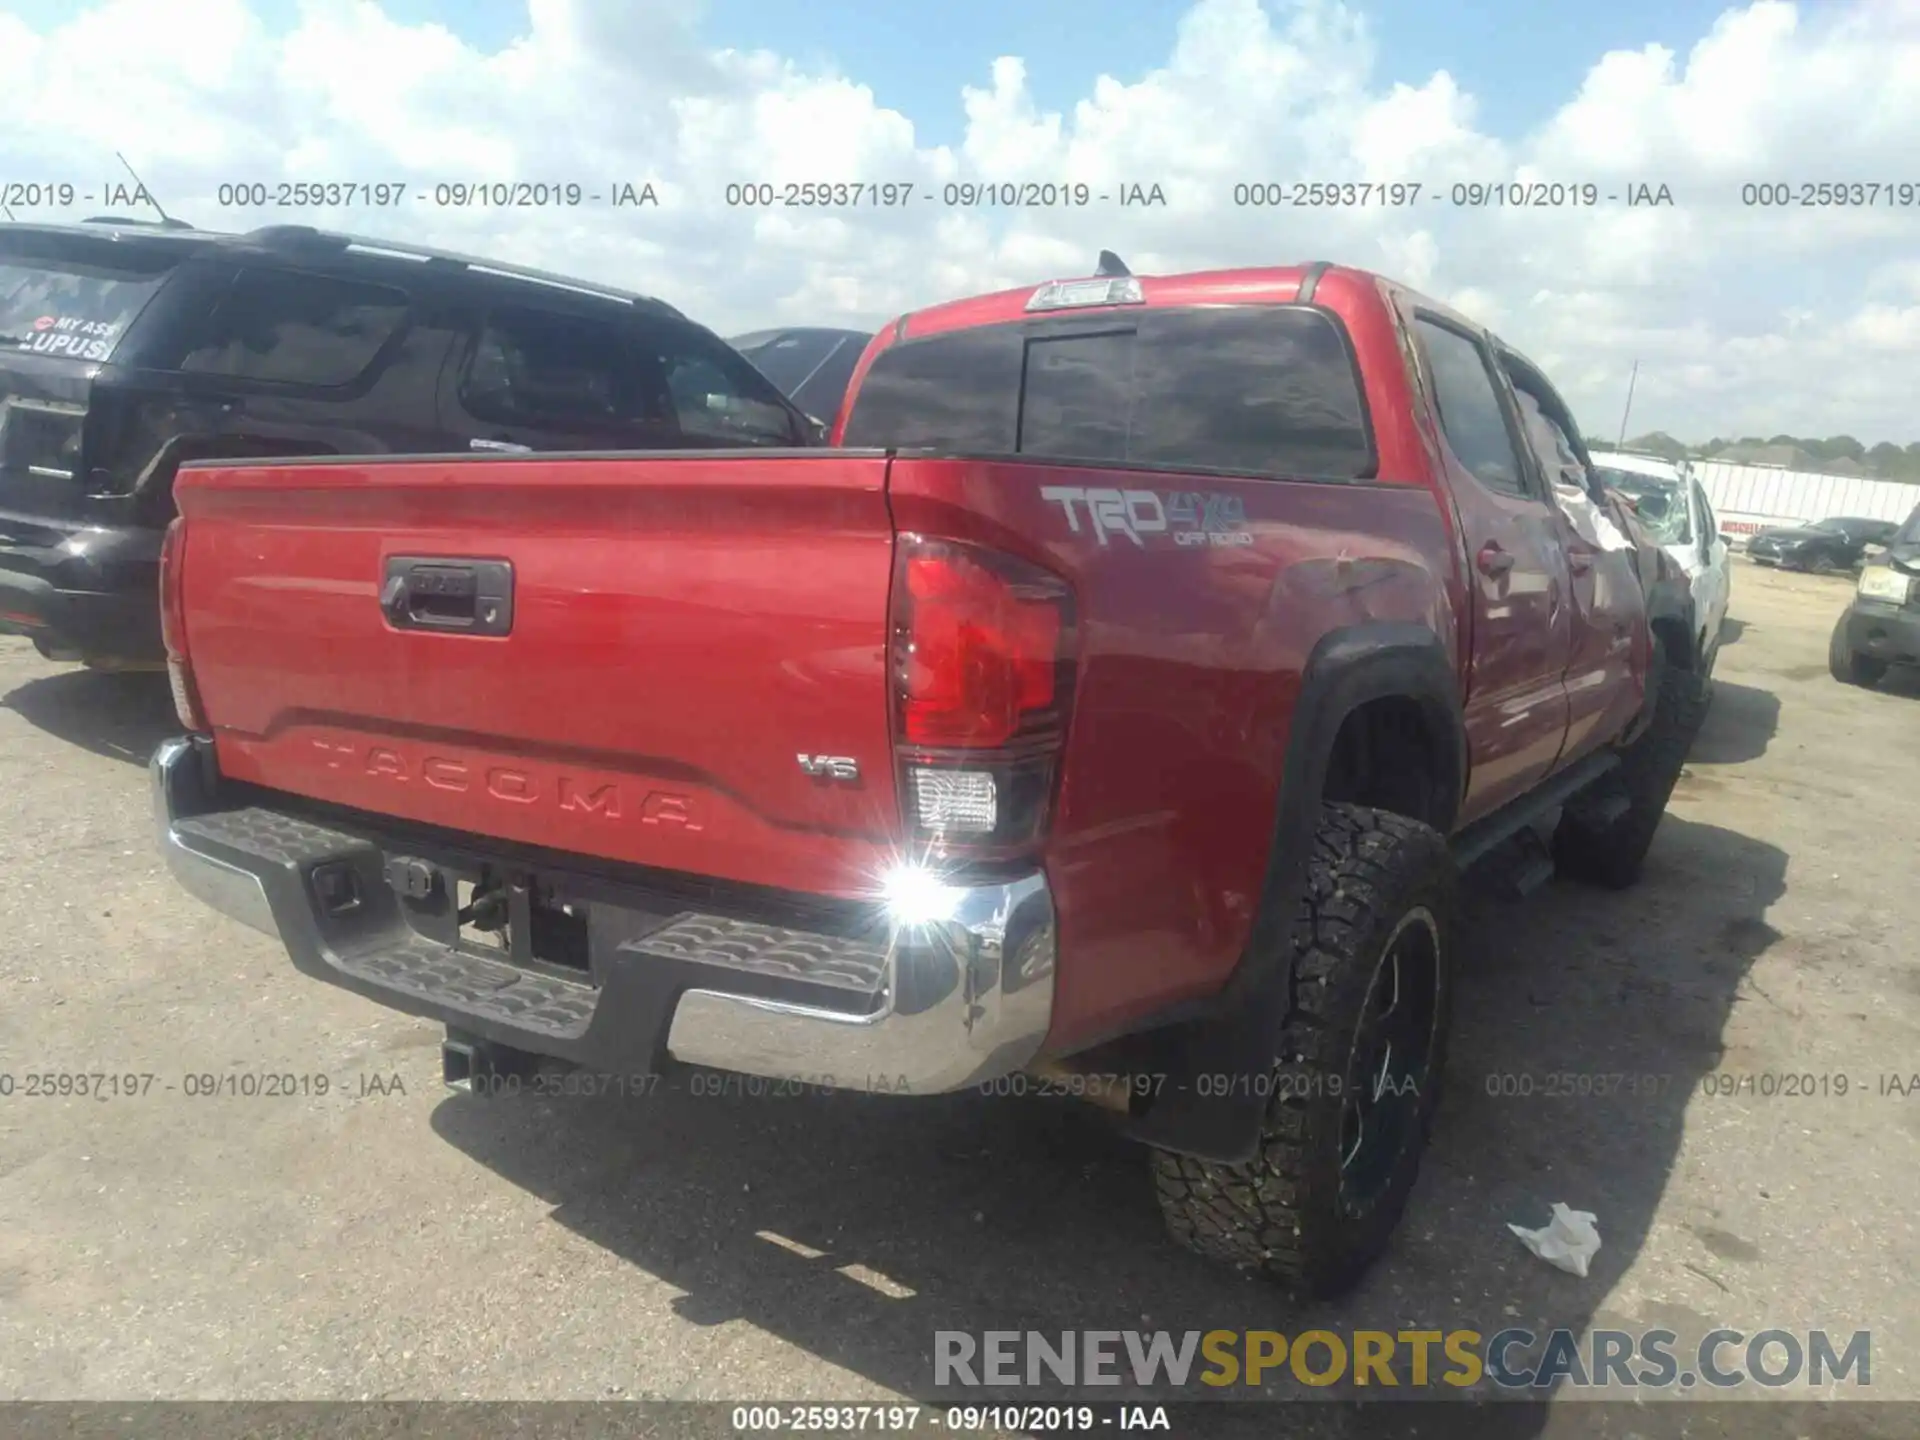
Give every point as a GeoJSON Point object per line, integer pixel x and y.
{"type": "Point", "coordinates": [1881, 628]}
{"type": "Point", "coordinates": [126, 349]}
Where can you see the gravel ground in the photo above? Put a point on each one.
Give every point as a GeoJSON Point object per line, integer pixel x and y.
{"type": "Point", "coordinates": [388, 1239]}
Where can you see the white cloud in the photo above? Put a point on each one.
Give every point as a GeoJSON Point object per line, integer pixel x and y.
{"type": "Point", "coordinates": [1746, 318]}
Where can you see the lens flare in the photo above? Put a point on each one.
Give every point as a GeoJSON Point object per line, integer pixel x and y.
{"type": "Point", "coordinates": [916, 895]}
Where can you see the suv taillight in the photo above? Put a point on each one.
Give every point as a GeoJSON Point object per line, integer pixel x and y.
{"type": "Point", "coordinates": [982, 659]}
{"type": "Point", "coordinates": [173, 626]}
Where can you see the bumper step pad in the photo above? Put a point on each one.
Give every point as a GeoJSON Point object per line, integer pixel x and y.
{"type": "Point", "coordinates": [411, 964]}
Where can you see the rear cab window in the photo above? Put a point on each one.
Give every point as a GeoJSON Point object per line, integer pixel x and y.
{"type": "Point", "coordinates": [75, 301]}
{"type": "Point", "coordinates": [647, 383]}
{"type": "Point", "coordinates": [1265, 390]}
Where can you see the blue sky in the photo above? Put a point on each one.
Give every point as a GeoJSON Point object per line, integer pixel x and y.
{"type": "Point", "coordinates": [1520, 59]}
{"type": "Point", "coordinates": [1747, 320]}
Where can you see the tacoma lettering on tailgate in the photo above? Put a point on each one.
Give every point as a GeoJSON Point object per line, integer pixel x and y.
{"type": "Point", "coordinates": [605, 798]}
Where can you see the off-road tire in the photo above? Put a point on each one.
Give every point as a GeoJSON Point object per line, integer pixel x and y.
{"type": "Point", "coordinates": [1848, 665]}
{"type": "Point", "coordinates": [1284, 1213]}
{"type": "Point", "coordinates": [1610, 852]}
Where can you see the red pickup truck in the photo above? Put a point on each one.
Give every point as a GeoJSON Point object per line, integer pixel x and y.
{"type": "Point", "coordinates": [1116, 696]}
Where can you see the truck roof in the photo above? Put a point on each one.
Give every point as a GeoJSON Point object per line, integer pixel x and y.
{"type": "Point", "coordinates": [1269, 284]}
{"type": "Point", "coordinates": [1240, 285]}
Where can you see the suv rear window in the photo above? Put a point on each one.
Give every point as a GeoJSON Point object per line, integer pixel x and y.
{"type": "Point", "coordinates": [297, 328]}
{"type": "Point", "coordinates": [1264, 389]}
{"type": "Point", "coordinates": [69, 307]}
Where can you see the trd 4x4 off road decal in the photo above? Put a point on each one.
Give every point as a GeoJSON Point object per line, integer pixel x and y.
{"type": "Point", "coordinates": [1190, 517]}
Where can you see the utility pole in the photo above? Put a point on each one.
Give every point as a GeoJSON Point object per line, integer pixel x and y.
{"type": "Point", "coordinates": [1629, 410]}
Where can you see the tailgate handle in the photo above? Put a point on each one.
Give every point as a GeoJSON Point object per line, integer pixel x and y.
{"type": "Point", "coordinates": [464, 597]}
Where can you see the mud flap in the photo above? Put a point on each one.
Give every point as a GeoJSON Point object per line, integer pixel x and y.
{"type": "Point", "coordinates": [1215, 1074]}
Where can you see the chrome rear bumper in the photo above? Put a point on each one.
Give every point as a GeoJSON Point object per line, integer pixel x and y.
{"type": "Point", "coordinates": [954, 993]}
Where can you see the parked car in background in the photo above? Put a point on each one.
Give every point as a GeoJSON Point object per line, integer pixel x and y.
{"type": "Point", "coordinates": [811, 365]}
{"type": "Point", "coordinates": [1825, 546]}
{"type": "Point", "coordinates": [1881, 628]}
{"type": "Point", "coordinates": [1674, 508]}
{"type": "Point", "coordinates": [126, 350]}
{"type": "Point", "coordinates": [1644, 462]}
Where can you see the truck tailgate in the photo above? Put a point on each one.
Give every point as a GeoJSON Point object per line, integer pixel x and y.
{"type": "Point", "coordinates": [680, 630]}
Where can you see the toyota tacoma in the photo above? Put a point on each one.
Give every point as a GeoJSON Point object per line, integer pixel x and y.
{"type": "Point", "coordinates": [1118, 694]}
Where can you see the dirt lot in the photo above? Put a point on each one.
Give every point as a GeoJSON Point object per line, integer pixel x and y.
{"type": "Point", "coordinates": [392, 1240]}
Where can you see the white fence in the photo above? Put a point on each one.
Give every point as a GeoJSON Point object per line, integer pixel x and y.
{"type": "Point", "coordinates": [1750, 497]}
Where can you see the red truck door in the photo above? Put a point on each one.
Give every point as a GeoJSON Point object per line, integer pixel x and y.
{"type": "Point", "coordinates": [1608, 611]}
{"type": "Point", "coordinates": [1516, 702]}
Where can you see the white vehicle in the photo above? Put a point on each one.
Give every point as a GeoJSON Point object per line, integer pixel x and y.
{"type": "Point", "coordinates": [1675, 511]}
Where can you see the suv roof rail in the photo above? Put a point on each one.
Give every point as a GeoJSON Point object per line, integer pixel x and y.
{"type": "Point", "coordinates": [308, 237]}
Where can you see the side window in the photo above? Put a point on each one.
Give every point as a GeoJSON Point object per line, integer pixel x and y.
{"type": "Point", "coordinates": [695, 383]}
{"type": "Point", "coordinates": [535, 367]}
{"type": "Point", "coordinates": [297, 328]}
{"type": "Point", "coordinates": [1550, 444]}
{"type": "Point", "coordinates": [716, 394]}
{"type": "Point", "coordinates": [1470, 410]}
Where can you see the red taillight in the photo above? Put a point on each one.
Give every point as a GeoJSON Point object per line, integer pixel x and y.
{"type": "Point", "coordinates": [173, 626]}
{"type": "Point", "coordinates": [982, 674]}
{"type": "Point", "coordinates": [981, 650]}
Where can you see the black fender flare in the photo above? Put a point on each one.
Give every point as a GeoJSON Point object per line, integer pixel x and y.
{"type": "Point", "coordinates": [1234, 1041]}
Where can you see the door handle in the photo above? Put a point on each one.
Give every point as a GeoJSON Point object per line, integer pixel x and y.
{"type": "Point", "coordinates": [1494, 561]}
{"type": "Point", "coordinates": [503, 447]}
{"type": "Point", "coordinates": [1580, 561]}
{"type": "Point", "coordinates": [470, 597]}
